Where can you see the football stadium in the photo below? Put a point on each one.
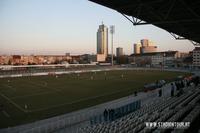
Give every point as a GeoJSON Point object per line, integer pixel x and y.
{"type": "Point", "coordinates": [66, 97]}
{"type": "Point", "coordinates": [104, 97]}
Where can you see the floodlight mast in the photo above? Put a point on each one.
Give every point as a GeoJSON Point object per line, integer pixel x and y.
{"type": "Point", "coordinates": [112, 31]}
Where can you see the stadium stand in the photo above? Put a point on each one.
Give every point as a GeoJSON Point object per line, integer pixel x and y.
{"type": "Point", "coordinates": [27, 70]}
{"type": "Point", "coordinates": [112, 114]}
{"type": "Point", "coordinates": [184, 108]}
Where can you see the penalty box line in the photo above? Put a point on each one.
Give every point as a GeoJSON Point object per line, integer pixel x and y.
{"type": "Point", "coordinates": [12, 102]}
{"type": "Point", "coordinates": [10, 87]}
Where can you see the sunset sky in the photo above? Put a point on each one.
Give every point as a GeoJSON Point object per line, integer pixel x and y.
{"type": "Point", "coordinates": [70, 26]}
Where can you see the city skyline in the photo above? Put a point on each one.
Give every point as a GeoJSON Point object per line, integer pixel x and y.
{"type": "Point", "coordinates": [56, 27]}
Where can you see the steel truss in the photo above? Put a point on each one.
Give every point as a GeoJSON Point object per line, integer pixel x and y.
{"type": "Point", "coordinates": [136, 21]}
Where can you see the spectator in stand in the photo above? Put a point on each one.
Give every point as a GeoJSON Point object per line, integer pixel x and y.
{"type": "Point", "coordinates": [160, 93]}
{"type": "Point", "coordinates": [135, 92]}
{"type": "Point", "coordinates": [177, 85]}
{"type": "Point", "coordinates": [105, 113]}
{"type": "Point", "coordinates": [182, 84]}
{"type": "Point", "coordinates": [188, 83]}
{"type": "Point", "coordinates": [109, 115]}
{"type": "Point", "coordinates": [196, 81]}
{"type": "Point", "coordinates": [181, 91]}
{"type": "Point", "coordinates": [172, 89]}
{"type": "Point", "coordinates": [112, 114]}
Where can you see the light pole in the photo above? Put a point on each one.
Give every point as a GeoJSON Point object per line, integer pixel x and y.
{"type": "Point", "coordinates": [112, 31]}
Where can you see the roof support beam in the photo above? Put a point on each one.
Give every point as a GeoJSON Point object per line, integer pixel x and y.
{"type": "Point", "coordinates": [195, 43]}
{"type": "Point", "coordinates": [170, 9]}
{"type": "Point", "coordinates": [177, 37]}
{"type": "Point", "coordinates": [135, 21]}
{"type": "Point", "coordinates": [128, 6]}
{"type": "Point", "coordinates": [189, 9]}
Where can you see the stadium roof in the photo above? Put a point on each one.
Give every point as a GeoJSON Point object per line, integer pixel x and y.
{"type": "Point", "coordinates": [178, 17]}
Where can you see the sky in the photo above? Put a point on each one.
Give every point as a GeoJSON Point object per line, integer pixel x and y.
{"type": "Point", "coordinates": [70, 26]}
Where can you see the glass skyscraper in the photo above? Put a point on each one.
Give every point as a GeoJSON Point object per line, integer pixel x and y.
{"type": "Point", "coordinates": [102, 40]}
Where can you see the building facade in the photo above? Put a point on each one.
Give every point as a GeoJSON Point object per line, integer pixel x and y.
{"type": "Point", "coordinates": [156, 59]}
{"type": "Point", "coordinates": [137, 48]}
{"type": "Point", "coordinates": [196, 57]}
{"type": "Point", "coordinates": [148, 49]}
{"type": "Point", "coordinates": [144, 42]}
{"type": "Point", "coordinates": [147, 46]}
{"type": "Point", "coordinates": [101, 58]}
{"type": "Point", "coordinates": [119, 52]}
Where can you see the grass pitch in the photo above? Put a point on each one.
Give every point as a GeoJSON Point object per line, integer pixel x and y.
{"type": "Point", "coordinates": [28, 99]}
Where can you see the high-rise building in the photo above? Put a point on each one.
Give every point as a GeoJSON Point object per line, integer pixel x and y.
{"type": "Point", "coordinates": [144, 42]}
{"type": "Point", "coordinates": [137, 48]}
{"type": "Point", "coordinates": [119, 52]}
{"type": "Point", "coordinates": [102, 40]}
{"type": "Point", "coordinates": [102, 43]}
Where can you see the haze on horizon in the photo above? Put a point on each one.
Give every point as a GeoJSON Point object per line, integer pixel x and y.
{"type": "Point", "coordinates": [60, 26]}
